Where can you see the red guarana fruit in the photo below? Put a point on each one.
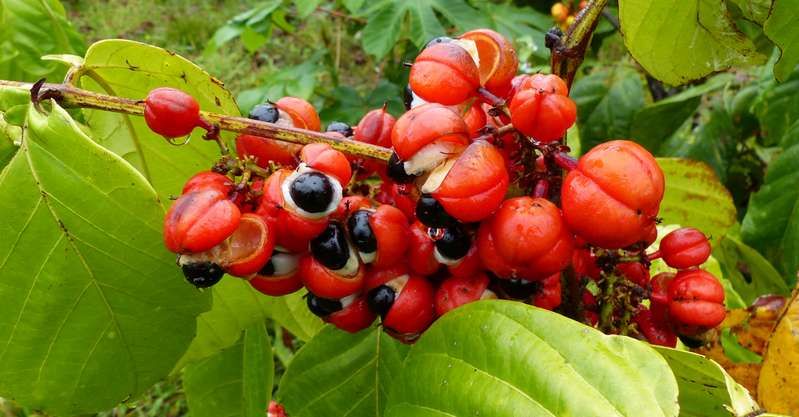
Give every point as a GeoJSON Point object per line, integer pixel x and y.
{"type": "Point", "coordinates": [206, 180]}
{"type": "Point", "coordinates": [685, 248]}
{"type": "Point", "coordinates": [280, 276]}
{"type": "Point", "coordinates": [656, 332]}
{"type": "Point", "coordinates": [444, 73]}
{"type": "Point", "coordinates": [326, 283]}
{"type": "Point", "coordinates": [457, 291]}
{"type": "Point", "coordinates": [200, 220]}
{"type": "Point", "coordinates": [427, 135]}
{"type": "Point", "coordinates": [171, 113]}
{"type": "Point", "coordinates": [620, 183]}
{"type": "Point", "coordinates": [353, 317]}
{"type": "Point", "coordinates": [696, 301]}
{"type": "Point", "coordinates": [548, 295]}
{"type": "Point", "coordinates": [302, 113]}
{"type": "Point", "coordinates": [498, 61]}
{"type": "Point", "coordinates": [541, 109]}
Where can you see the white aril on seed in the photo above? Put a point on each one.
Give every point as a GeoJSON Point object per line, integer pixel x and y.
{"type": "Point", "coordinates": [283, 119]}
{"type": "Point", "coordinates": [286, 189]}
{"type": "Point", "coordinates": [443, 259]}
{"type": "Point", "coordinates": [346, 301]}
{"type": "Point", "coordinates": [369, 257]}
{"type": "Point", "coordinates": [284, 263]}
{"type": "Point", "coordinates": [430, 156]}
{"type": "Point", "coordinates": [488, 295]}
{"type": "Point", "coordinates": [416, 101]}
{"type": "Point", "coordinates": [471, 47]}
{"type": "Point", "coordinates": [437, 176]}
{"type": "Point", "coordinates": [352, 266]}
{"type": "Point", "coordinates": [397, 284]}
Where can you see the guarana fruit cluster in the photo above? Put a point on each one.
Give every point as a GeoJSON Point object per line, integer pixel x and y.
{"type": "Point", "coordinates": [478, 200]}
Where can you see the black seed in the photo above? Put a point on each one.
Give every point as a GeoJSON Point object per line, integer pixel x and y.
{"type": "Point", "coordinates": [330, 247]}
{"type": "Point", "coordinates": [360, 232]}
{"type": "Point", "coordinates": [396, 170]}
{"type": "Point", "coordinates": [340, 127]}
{"type": "Point", "coordinates": [455, 243]}
{"type": "Point", "coordinates": [322, 307]}
{"type": "Point", "coordinates": [518, 289]}
{"type": "Point", "coordinates": [407, 97]}
{"type": "Point", "coordinates": [202, 274]}
{"type": "Point", "coordinates": [432, 214]}
{"type": "Point", "coordinates": [312, 192]}
{"type": "Point", "coordinates": [436, 41]}
{"type": "Point", "coordinates": [265, 113]}
{"type": "Point", "coordinates": [691, 342]}
{"type": "Point", "coordinates": [380, 300]}
{"type": "Point", "coordinates": [268, 269]}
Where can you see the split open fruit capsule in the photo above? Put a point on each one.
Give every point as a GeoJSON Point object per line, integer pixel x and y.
{"type": "Point", "coordinates": [404, 302]}
{"type": "Point", "coordinates": [497, 60]}
{"type": "Point", "coordinates": [445, 73]}
{"type": "Point", "coordinates": [350, 313]}
{"type": "Point", "coordinates": [279, 276]}
{"type": "Point", "coordinates": [379, 235]}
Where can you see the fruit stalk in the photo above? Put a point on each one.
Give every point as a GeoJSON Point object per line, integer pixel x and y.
{"type": "Point", "coordinates": [568, 50]}
{"type": "Point", "coordinates": [69, 96]}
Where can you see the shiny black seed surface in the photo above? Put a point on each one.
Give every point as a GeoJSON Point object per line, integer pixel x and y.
{"type": "Point", "coordinates": [202, 274]}
{"type": "Point", "coordinates": [268, 269]}
{"type": "Point", "coordinates": [330, 247]}
{"type": "Point", "coordinates": [396, 170]}
{"type": "Point", "coordinates": [455, 242]}
{"type": "Point", "coordinates": [691, 342]}
{"type": "Point", "coordinates": [361, 232]}
{"type": "Point", "coordinates": [407, 97]}
{"type": "Point", "coordinates": [322, 307]}
{"type": "Point", "coordinates": [340, 127]}
{"type": "Point", "coordinates": [438, 40]}
{"type": "Point", "coordinates": [431, 213]}
{"type": "Point", "coordinates": [380, 299]}
{"type": "Point", "coordinates": [265, 113]}
{"type": "Point", "coordinates": [312, 192]}
{"type": "Point", "coordinates": [518, 288]}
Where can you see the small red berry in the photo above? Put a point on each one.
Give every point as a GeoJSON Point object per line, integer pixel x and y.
{"type": "Point", "coordinates": [457, 291]}
{"type": "Point", "coordinates": [208, 180]}
{"type": "Point", "coordinates": [200, 220]}
{"type": "Point", "coordinates": [685, 248]}
{"type": "Point", "coordinates": [656, 332]}
{"type": "Point", "coordinates": [171, 112]}
{"type": "Point", "coordinates": [548, 295]}
{"type": "Point", "coordinates": [696, 301]}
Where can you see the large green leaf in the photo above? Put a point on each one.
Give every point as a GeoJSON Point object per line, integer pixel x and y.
{"type": "Point", "coordinates": [237, 306]}
{"type": "Point", "coordinates": [94, 310]}
{"type": "Point", "coordinates": [131, 69]}
{"type": "Point", "coordinates": [706, 390]}
{"type": "Point", "coordinates": [694, 197]}
{"type": "Point", "coordinates": [30, 29]}
{"type": "Point", "coordinates": [782, 27]}
{"type": "Point", "coordinates": [777, 107]}
{"type": "Point", "coordinates": [606, 102]}
{"type": "Point", "coordinates": [714, 141]}
{"type": "Point", "coordinates": [236, 382]}
{"type": "Point", "coordinates": [387, 19]}
{"type": "Point", "coordinates": [13, 107]}
{"type": "Point", "coordinates": [341, 374]}
{"type": "Point", "coordinates": [750, 274]}
{"type": "Point", "coordinates": [654, 123]}
{"type": "Point", "coordinates": [754, 10]}
{"type": "Point", "coordinates": [771, 224]}
{"type": "Point", "coordinates": [677, 41]}
{"type": "Point", "coordinates": [504, 358]}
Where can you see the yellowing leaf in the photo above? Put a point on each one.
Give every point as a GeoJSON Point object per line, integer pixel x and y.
{"type": "Point", "coordinates": [778, 388]}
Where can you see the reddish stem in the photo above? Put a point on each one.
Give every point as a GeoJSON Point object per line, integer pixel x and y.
{"type": "Point", "coordinates": [541, 188]}
{"type": "Point", "coordinates": [654, 255]}
{"type": "Point", "coordinates": [565, 161]}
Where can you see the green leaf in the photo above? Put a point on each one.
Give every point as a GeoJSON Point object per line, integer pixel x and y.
{"type": "Point", "coordinates": [30, 29]}
{"type": "Point", "coordinates": [94, 310]}
{"type": "Point", "coordinates": [706, 390]}
{"type": "Point", "coordinates": [750, 274]}
{"type": "Point", "coordinates": [385, 22]}
{"type": "Point", "coordinates": [525, 26]}
{"type": "Point", "coordinates": [735, 351]}
{"type": "Point", "coordinates": [606, 102]}
{"type": "Point", "coordinates": [342, 374]}
{"type": "Point", "coordinates": [131, 69]}
{"type": "Point", "coordinates": [694, 197]}
{"type": "Point", "coordinates": [505, 358]}
{"type": "Point", "coordinates": [13, 107]}
{"type": "Point", "coordinates": [661, 35]}
{"type": "Point", "coordinates": [237, 306]}
{"type": "Point", "coordinates": [654, 123]}
{"type": "Point", "coordinates": [754, 10]}
{"type": "Point", "coordinates": [771, 224]}
{"type": "Point", "coordinates": [714, 141]}
{"type": "Point", "coordinates": [236, 382]}
{"type": "Point", "coordinates": [256, 19]}
{"type": "Point", "coordinates": [306, 7]}
{"type": "Point", "coordinates": [782, 27]}
{"type": "Point", "coordinates": [777, 108]}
